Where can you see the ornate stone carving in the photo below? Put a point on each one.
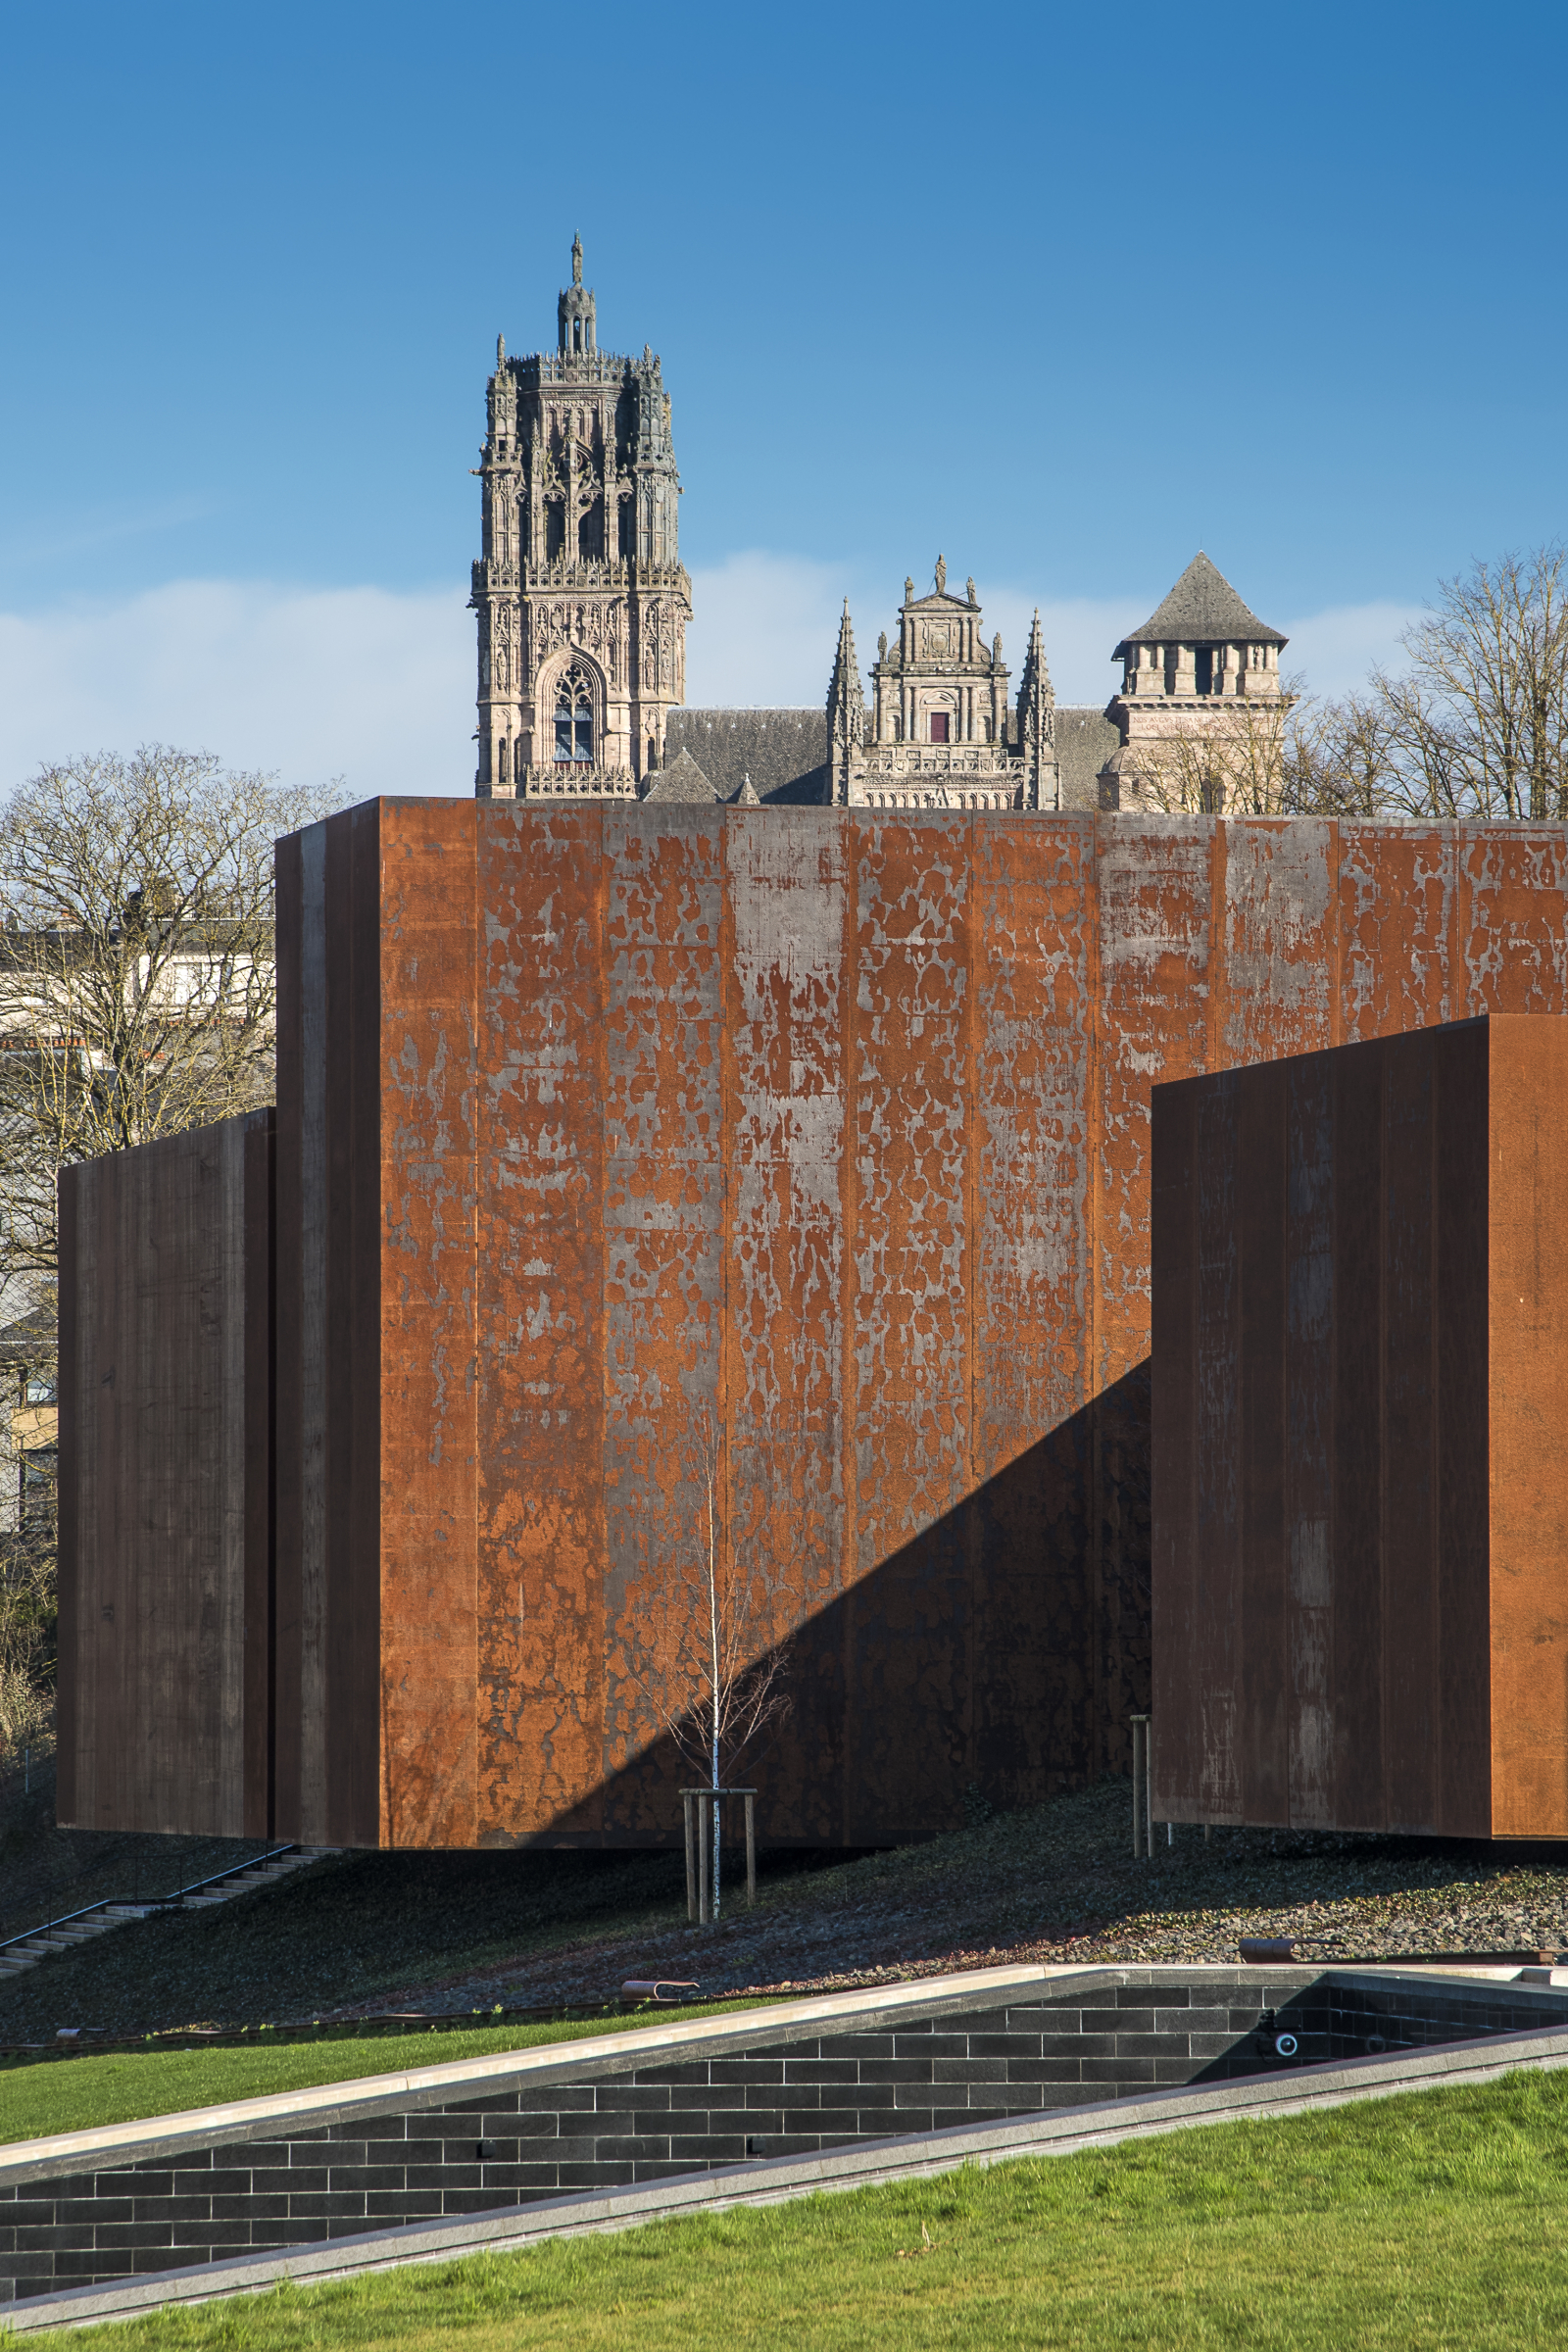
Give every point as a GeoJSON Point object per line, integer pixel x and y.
{"type": "Point", "coordinates": [937, 732]}
{"type": "Point", "coordinates": [581, 543]}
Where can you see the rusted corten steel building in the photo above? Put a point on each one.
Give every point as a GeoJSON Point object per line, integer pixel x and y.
{"type": "Point", "coordinates": [1361, 1484]}
{"type": "Point", "coordinates": [612, 1136]}
{"type": "Point", "coordinates": [165, 1488]}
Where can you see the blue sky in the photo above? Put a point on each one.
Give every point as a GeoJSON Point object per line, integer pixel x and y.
{"type": "Point", "coordinates": [1067, 294]}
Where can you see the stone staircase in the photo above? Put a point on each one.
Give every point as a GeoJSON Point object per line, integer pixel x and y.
{"type": "Point", "coordinates": [80, 1927]}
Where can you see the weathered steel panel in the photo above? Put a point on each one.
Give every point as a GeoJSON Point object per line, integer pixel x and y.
{"type": "Point", "coordinates": [1385, 1266]}
{"type": "Point", "coordinates": [288, 1437]}
{"type": "Point", "coordinates": [164, 1657]}
{"type": "Point", "coordinates": [540, 1328]}
{"type": "Point", "coordinates": [1527, 1314]}
{"type": "Point", "coordinates": [1471, 1065]}
{"type": "Point", "coordinates": [1355, 1559]}
{"type": "Point", "coordinates": [1513, 918]}
{"type": "Point", "coordinates": [1156, 882]}
{"type": "Point", "coordinates": [1308, 1471]}
{"type": "Point", "coordinates": [812, 1150]}
{"type": "Point", "coordinates": [663, 1212]}
{"type": "Point", "coordinates": [1281, 989]}
{"type": "Point", "coordinates": [909, 1402]}
{"type": "Point", "coordinates": [1397, 919]}
{"type": "Point", "coordinates": [785, 1087]}
{"type": "Point", "coordinates": [428, 1320]}
{"type": "Point", "coordinates": [1214, 1318]}
{"type": "Point", "coordinates": [1031, 1448]}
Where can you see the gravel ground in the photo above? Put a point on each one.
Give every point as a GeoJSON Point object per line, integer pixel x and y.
{"type": "Point", "coordinates": [451, 1933]}
{"type": "Point", "coordinates": [1053, 1885]}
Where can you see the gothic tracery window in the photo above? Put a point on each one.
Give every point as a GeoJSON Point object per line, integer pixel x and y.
{"type": "Point", "coordinates": [574, 717]}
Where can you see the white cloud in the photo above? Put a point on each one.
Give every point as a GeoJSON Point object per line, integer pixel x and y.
{"type": "Point", "coordinates": [379, 688]}
{"type": "Point", "coordinates": [1334, 650]}
{"type": "Point", "coordinates": [314, 683]}
{"type": "Point", "coordinates": [763, 632]}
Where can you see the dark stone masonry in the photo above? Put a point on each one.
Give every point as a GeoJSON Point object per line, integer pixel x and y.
{"type": "Point", "coordinates": [517, 2136]}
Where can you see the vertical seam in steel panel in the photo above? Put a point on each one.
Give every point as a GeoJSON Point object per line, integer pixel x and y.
{"type": "Point", "coordinates": [1435, 1440]}
{"type": "Point", "coordinates": [230, 1563]}
{"type": "Point", "coordinates": [1336, 916]}
{"type": "Point", "coordinates": [1383, 1439]}
{"type": "Point", "coordinates": [1218, 867]}
{"type": "Point", "coordinates": [1100, 1734]}
{"type": "Point", "coordinates": [976, 910]}
{"type": "Point", "coordinates": [600, 1545]}
{"type": "Point", "coordinates": [848, 1403]}
{"type": "Point", "coordinates": [729, 829]}
{"type": "Point", "coordinates": [313, 1330]}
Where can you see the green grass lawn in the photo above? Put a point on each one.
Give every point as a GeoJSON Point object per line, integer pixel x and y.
{"type": "Point", "coordinates": [72, 2094]}
{"type": "Point", "coordinates": [1431, 2219]}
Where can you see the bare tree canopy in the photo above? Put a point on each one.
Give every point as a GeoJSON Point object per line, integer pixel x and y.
{"type": "Point", "coordinates": [1478, 722]}
{"type": "Point", "coordinates": [137, 988]}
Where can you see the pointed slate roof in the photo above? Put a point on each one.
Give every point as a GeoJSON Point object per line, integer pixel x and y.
{"type": "Point", "coordinates": [682, 780]}
{"type": "Point", "coordinates": [1201, 607]}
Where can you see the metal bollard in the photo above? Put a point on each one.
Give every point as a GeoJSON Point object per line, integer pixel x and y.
{"type": "Point", "coordinates": [1143, 1788]}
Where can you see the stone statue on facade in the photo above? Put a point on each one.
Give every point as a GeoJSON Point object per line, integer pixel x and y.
{"type": "Point", "coordinates": [942, 576]}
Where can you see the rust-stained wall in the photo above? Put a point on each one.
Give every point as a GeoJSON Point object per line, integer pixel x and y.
{"type": "Point", "coordinates": [601, 1128]}
{"type": "Point", "coordinates": [611, 1130]}
{"type": "Point", "coordinates": [165, 1485]}
{"type": "Point", "coordinates": [1360, 1467]}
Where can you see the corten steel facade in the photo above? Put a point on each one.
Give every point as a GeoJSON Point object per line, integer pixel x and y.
{"type": "Point", "coordinates": [602, 1130]}
{"type": "Point", "coordinates": [165, 1485]}
{"type": "Point", "coordinates": [1360, 1459]}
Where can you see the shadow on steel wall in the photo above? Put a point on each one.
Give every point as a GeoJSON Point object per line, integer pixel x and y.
{"type": "Point", "coordinates": [994, 1659]}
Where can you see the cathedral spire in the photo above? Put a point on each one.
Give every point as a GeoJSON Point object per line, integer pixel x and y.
{"type": "Point", "coordinates": [846, 708]}
{"type": "Point", "coordinates": [1037, 725]}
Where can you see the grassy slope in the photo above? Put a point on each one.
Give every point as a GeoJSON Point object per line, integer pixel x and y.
{"type": "Point", "coordinates": [72, 2094]}
{"type": "Point", "coordinates": [1430, 2220]}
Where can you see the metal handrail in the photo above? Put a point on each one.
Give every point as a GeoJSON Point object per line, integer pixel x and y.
{"type": "Point", "coordinates": [157, 1902]}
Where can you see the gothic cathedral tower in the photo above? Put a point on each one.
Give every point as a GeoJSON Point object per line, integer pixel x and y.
{"type": "Point", "coordinates": [581, 596]}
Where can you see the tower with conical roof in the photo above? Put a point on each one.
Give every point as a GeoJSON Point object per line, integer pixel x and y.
{"type": "Point", "coordinates": [580, 595]}
{"type": "Point", "coordinates": [1198, 649]}
{"type": "Point", "coordinates": [1201, 710]}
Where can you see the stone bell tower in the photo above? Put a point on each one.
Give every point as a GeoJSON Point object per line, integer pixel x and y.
{"type": "Point", "coordinates": [581, 598]}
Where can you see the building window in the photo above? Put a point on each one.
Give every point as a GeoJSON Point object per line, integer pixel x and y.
{"type": "Point", "coordinates": [1203, 668]}
{"type": "Point", "coordinates": [38, 1467]}
{"type": "Point", "coordinates": [575, 719]}
{"type": "Point", "coordinates": [939, 726]}
{"type": "Point", "coordinates": [38, 1388]}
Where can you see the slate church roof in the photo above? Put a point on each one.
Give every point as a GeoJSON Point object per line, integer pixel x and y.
{"type": "Point", "coordinates": [684, 780]}
{"type": "Point", "coordinates": [782, 752]}
{"type": "Point", "coordinates": [1202, 607]}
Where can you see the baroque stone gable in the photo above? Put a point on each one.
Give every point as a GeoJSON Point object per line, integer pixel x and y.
{"type": "Point", "coordinates": [938, 732]}
{"type": "Point", "coordinates": [580, 595]}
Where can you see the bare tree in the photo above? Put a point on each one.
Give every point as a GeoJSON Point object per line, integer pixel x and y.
{"type": "Point", "coordinates": [1250, 756]}
{"type": "Point", "coordinates": [1477, 721]}
{"type": "Point", "coordinates": [714, 1673]}
{"type": "Point", "coordinates": [137, 999]}
{"type": "Point", "coordinates": [138, 985]}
